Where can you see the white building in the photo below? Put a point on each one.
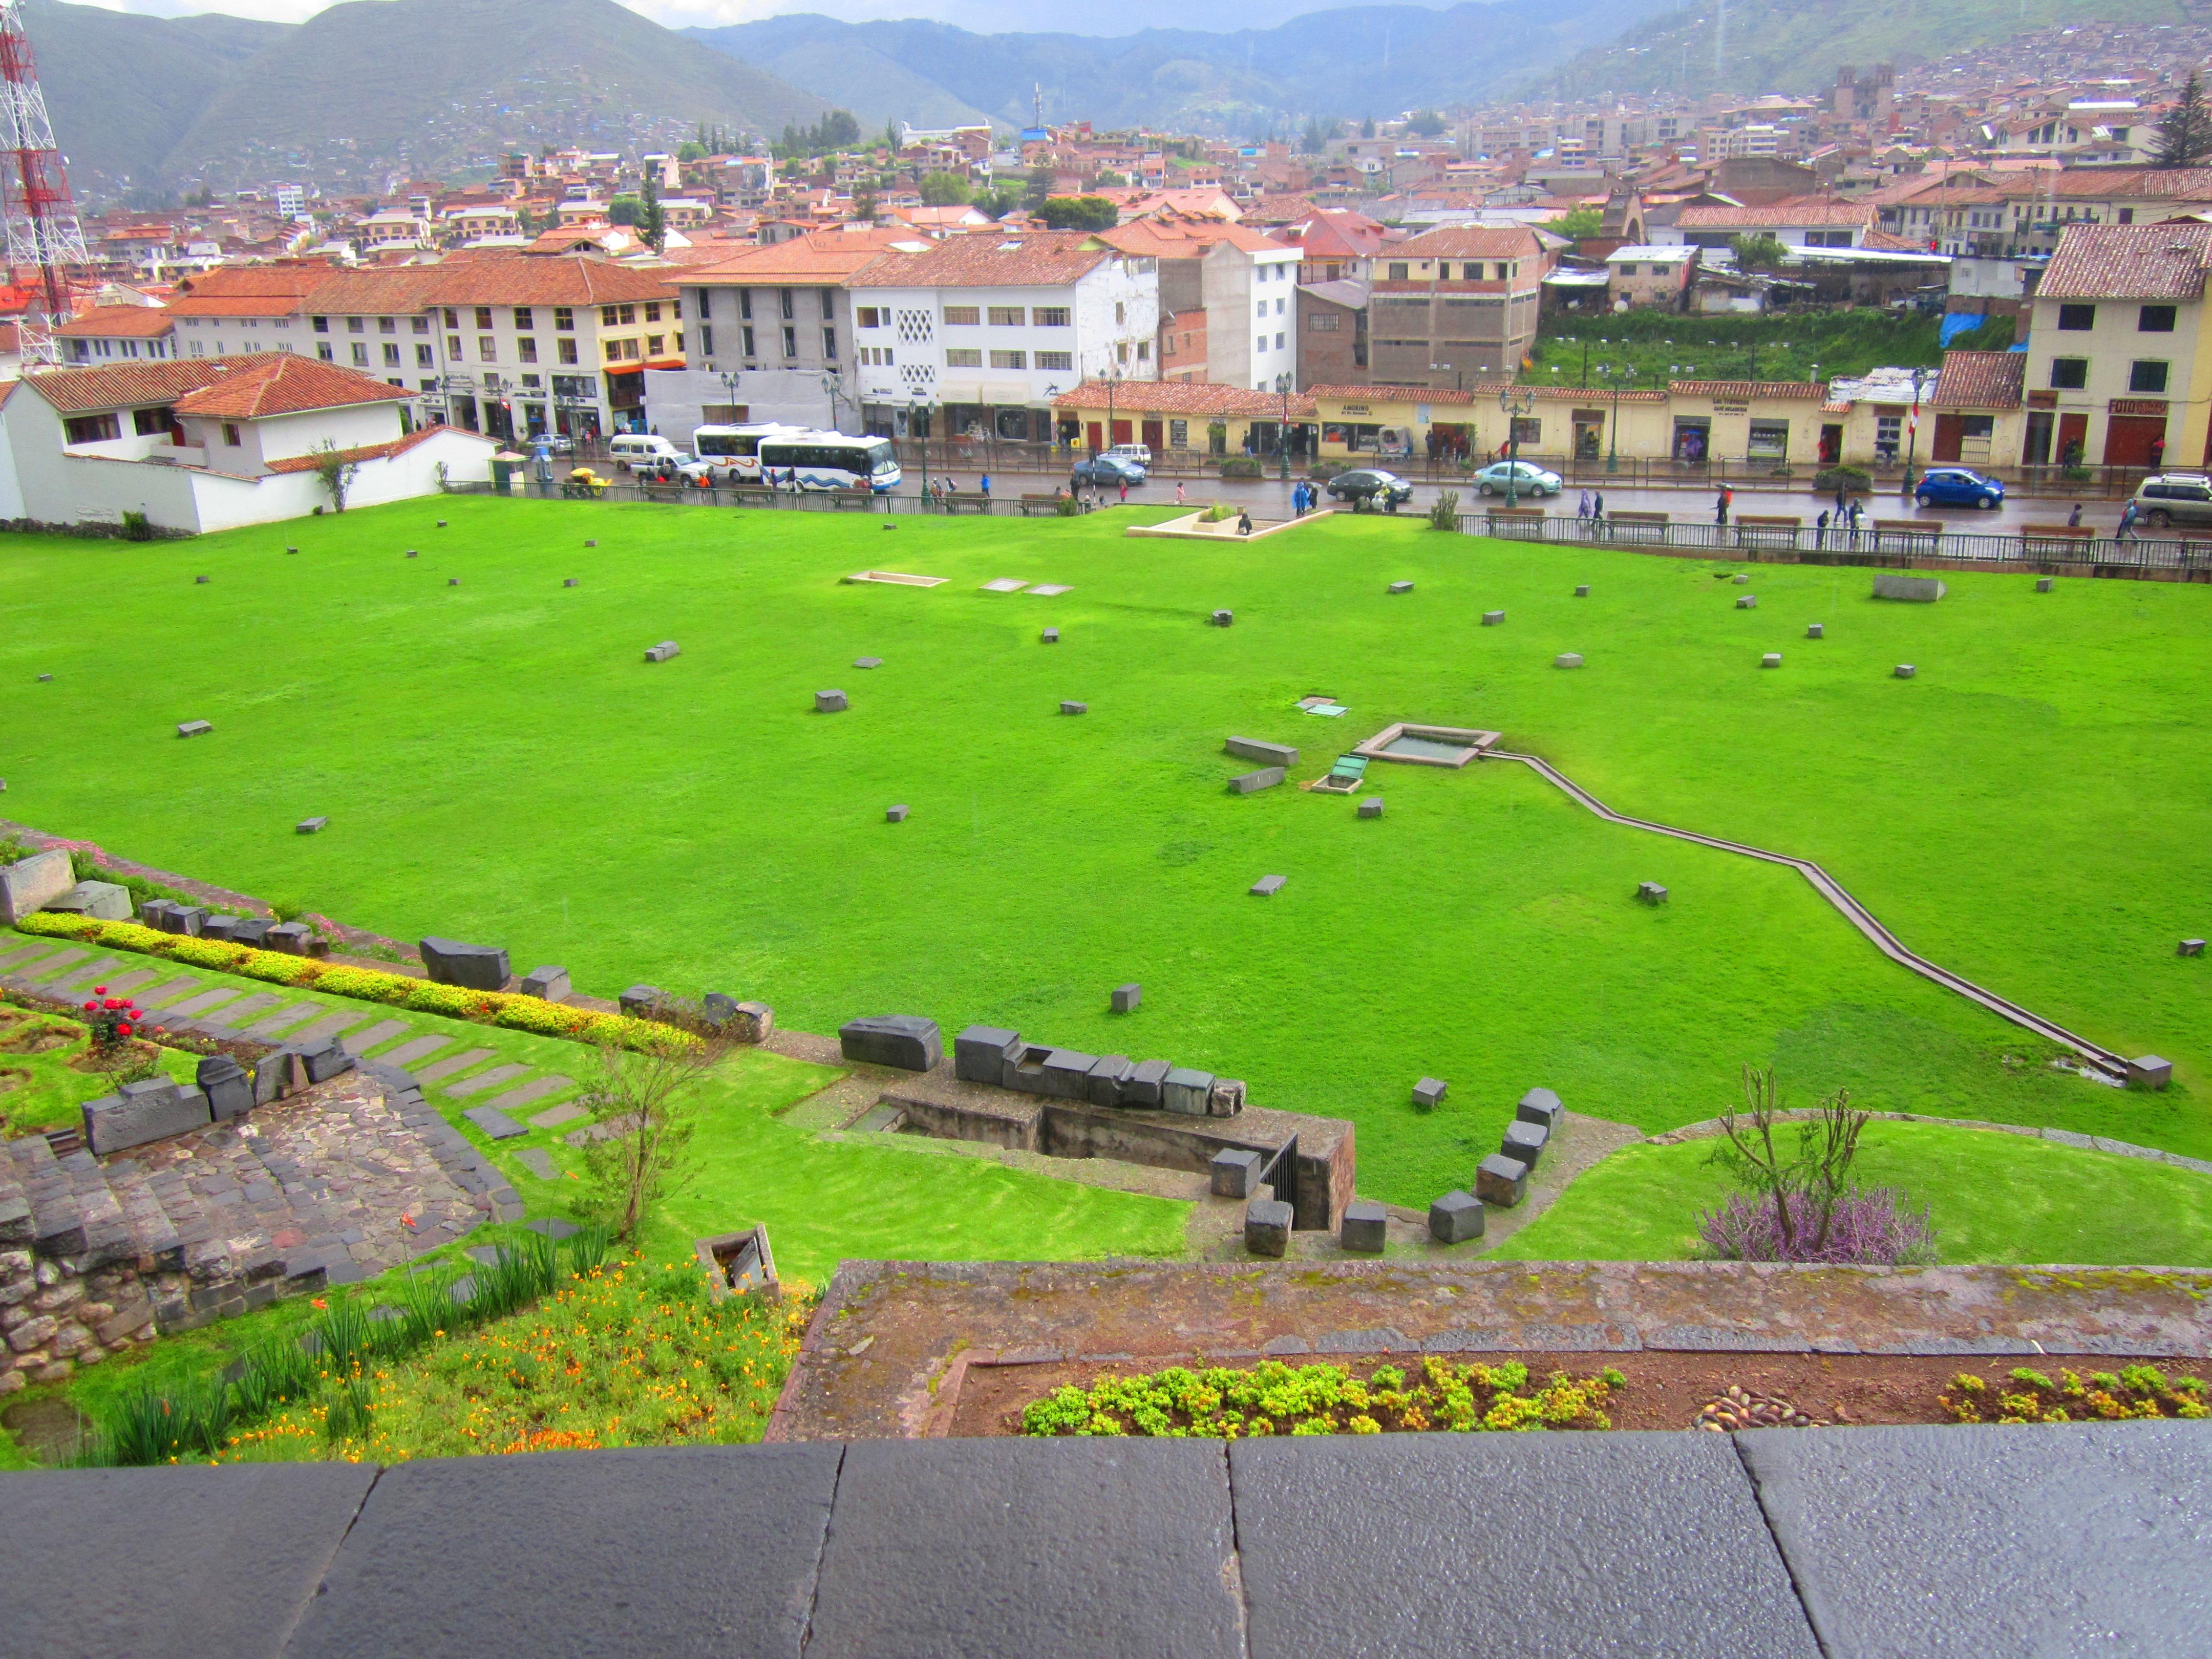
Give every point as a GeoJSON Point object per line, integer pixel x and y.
{"type": "Point", "coordinates": [992, 327]}
{"type": "Point", "coordinates": [209, 445]}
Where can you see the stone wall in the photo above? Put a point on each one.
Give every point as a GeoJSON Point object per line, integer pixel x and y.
{"type": "Point", "coordinates": [57, 1318]}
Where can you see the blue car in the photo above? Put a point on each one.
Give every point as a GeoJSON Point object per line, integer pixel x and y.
{"type": "Point", "coordinates": [1959, 486]}
{"type": "Point", "coordinates": [1109, 471]}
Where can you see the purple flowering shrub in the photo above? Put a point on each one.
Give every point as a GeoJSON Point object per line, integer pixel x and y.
{"type": "Point", "coordinates": [1868, 1226]}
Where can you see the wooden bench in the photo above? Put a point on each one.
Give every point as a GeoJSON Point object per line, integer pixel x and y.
{"type": "Point", "coordinates": [861, 499]}
{"type": "Point", "coordinates": [753, 495]}
{"type": "Point", "coordinates": [976, 502]}
{"type": "Point", "coordinates": [1517, 523]}
{"type": "Point", "coordinates": [1033, 505]}
{"type": "Point", "coordinates": [1635, 526]}
{"type": "Point", "coordinates": [1752, 529]}
{"type": "Point", "coordinates": [1908, 531]}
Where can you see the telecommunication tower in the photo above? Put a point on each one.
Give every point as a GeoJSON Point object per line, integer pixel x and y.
{"type": "Point", "coordinates": [41, 224]}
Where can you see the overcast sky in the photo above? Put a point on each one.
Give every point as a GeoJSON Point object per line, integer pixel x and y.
{"type": "Point", "coordinates": [988, 17]}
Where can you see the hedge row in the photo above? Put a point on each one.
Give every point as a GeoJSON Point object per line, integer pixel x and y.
{"type": "Point", "coordinates": [518, 1013]}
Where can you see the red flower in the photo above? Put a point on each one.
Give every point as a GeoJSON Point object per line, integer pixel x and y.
{"type": "Point", "coordinates": [92, 1007]}
{"type": "Point", "coordinates": [110, 1003]}
{"type": "Point", "coordinates": [100, 990]}
{"type": "Point", "coordinates": [122, 1030]}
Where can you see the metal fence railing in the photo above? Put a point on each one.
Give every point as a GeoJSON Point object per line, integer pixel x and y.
{"type": "Point", "coordinates": [1872, 543]}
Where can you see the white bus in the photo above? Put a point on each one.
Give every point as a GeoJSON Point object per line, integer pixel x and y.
{"type": "Point", "coordinates": [734, 451]}
{"type": "Point", "coordinates": [828, 460]}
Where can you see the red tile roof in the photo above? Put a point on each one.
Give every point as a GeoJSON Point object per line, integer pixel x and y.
{"type": "Point", "coordinates": [2128, 262]}
{"type": "Point", "coordinates": [1811, 211]}
{"type": "Point", "coordinates": [1470, 242]}
{"type": "Point", "coordinates": [1029, 259]}
{"type": "Point", "coordinates": [118, 323]}
{"type": "Point", "coordinates": [264, 383]}
{"type": "Point", "coordinates": [1409, 394]}
{"type": "Point", "coordinates": [372, 452]}
{"type": "Point", "coordinates": [1742, 391]}
{"type": "Point", "coordinates": [1203, 397]}
{"type": "Point", "coordinates": [1981, 380]}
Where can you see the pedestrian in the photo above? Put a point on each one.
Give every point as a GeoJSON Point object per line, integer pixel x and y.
{"type": "Point", "coordinates": [1858, 512]}
{"type": "Point", "coordinates": [1178, 492]}
{"type": "Point", "coordinates": [985, 486]}
{"type": "Point", "coordinates": [2127, 530]}
{"type": "Point", "coordinates": [1721, 507]}
{"type": "Point", "coordinates": [1582, 507]}
{"type": "Point", "coordinates": [2073, 518]}
{"type": "Point", "coordinates": [1820, 530]}
{"type": "Point", "coordinates": [1125, 492]}
{"type": "Point", "coordinates": [1842, 506]}
{"type": "Point", "coordinates": [1243, 521]}
{"type": "Point", "coordinates": [2157, 452]}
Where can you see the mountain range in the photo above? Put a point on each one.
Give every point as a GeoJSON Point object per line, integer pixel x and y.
{"type": "Point", "coordinates": [372, 91]}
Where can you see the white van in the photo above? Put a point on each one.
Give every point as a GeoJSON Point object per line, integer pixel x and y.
{"type": "Point", "coordinates": [1141, 453]}
{"type": "Point", "coordinates": [635, 448]}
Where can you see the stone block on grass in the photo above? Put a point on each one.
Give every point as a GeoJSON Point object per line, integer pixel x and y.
{"type": "Point", "coordinates": [1187, 1090]}
{"type": "Point", "coordinates": [663, 651]}
{"type": "Point", "coordinates": [1650, 892]}
{"type": "Point", "coordinates": [906, 1042]}
{"type": "Point", "coordinates": [830, 703]}
{"type": "Point", "coordinates": [2149, 1072]}
{"type": "Point", "coordinates": [1272, 754]}
{"type": "Point", "coordinates": [1501, 1181]}
{"type": "Point", "coordinates": [250, 931]}
{"type": "Point", "coordinates": [1402, 588]}
{"type": "Point", "coordinates": [1250, 783]}
{"type": "Point", "coordinates": [1492, 618]}
{"type": "Point", "coordinates": [1235, 1173]}
{"type": "Point", "coordinates": [1814, 631]}
{"type": "Point", "coordinates": [1067, 1074]}
{"type": "Point", "coordinates": [1541, 1106]}
{"type": "Point", "coordinates": [1568, 659]}
{"type": "Point", "coordinates": [867, 662]}
{"type": "Point", "coordinates": [895, 814]}
{"type": "Point", "coordinates": [1267, 1227]}
{"type": "Point", "coordinates": [221, 928]}
{"type": "Point", "coordinates": [640, 1001]}
{"type": "Point", "coordinates": [1747, 602]}
{"type": "Point", "coordinates": [1904, 670]}
{"type": "Point", "coordinates": [1894, 584]}
{"type": "Point", "coordinates": [187, 919]}
{"type": "Point", "coordinates": [193, 728]}
{"type": "Point", "coordinates": [2045, 584]}
{"type": "Point", "coordinates": [1371, 807]}
{"type": "Point", "coordinates": [1366, 1227]}
{"type": "Point", "coordinates": [1582, 590]}
{"type": "Point", "coordinates": [277, 1074]}
{"type": "Point", "coordinates": [141, 1112]}
{"type": "Point", "coordinates": [1430, 1092]}
{"type": "Point", "coordinates": [1226, 1098]}
{"type": "Point", "coordinates": [2192, 947]}
{"type": "Point", "coordinates": [1456, 1217]}
{"type": "Point", "coordinates": [310, 826]}
{"type": "Point", "coordinates": [548, 982]}
{"type": "Point", "coordinates": [753, 1023]}
{"type": "Point", "coordinates": [1525, 1141]}
{"type": "Point", "coordinates": [1050, 636]}
{"type": "Point", "coordinates": [33, 883]}
{"type": "Point", "coordinates": [103, 900]}
{"type": "Point", "coordinates": [1771, 660]}
{"type": "Point", "coordinates": [1223, 618]}
{"type": "Point", "coordinates": [324, 1058]}
{"type": "Point", "coordinates": [981, 1053]}
{"type": "Point", "coordinates": [1268, 886]}
{"type": "Point", "coordinates": [1739, 581]}
{"type": "Point", "coordinates": [474, 967]}
{"type": "Point", "coordinates": [1074, 707]}
{"type": "Point", "coordinates": [1124, 998]}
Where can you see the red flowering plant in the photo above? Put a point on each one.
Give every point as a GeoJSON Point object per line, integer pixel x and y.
{"type": "Point", "coordinates": [115, 1021]}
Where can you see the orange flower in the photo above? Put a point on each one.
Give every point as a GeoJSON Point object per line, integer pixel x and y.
{"type": "Point", "coordinates": [319, 1302]}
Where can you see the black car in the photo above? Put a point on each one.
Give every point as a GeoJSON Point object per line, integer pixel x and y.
{"type": "Point", "coordinates": [1365, 485]}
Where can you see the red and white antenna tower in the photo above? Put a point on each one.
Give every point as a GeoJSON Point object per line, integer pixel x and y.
{"type": "Point", "coordinates": [40, 218]}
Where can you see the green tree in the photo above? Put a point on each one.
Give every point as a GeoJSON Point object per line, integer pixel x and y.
{"type": "Point", "coordinates": [864, 203]}
{"type": "Point", "coordinates": [2185, 133]}
{"type": "Point", "coordinates": [691, 150]}
{"type": "Point", "coordinates": [1578, 225]}
{"type": "Point", "coordinates": [1079, 213]}
{"type": "Point", "coordinates": [651, 219]}
{"type": "Point", "coordinates": [1426, 123]}
{"type": "Point", "coordinates": [624, 209]}
{"type": "Point", "coordinates": [1110, 179]}
{"type": "Point", "coordinates": [1040, 188]}
{"type": "Point", "coordinates": [1367, 128]}
{"type": "Point", "coordinates": [1759, 252]}
{"type": "Point", "coordinates": [944, 190]}
{"type": "Point", "coordinates": [892, 135]}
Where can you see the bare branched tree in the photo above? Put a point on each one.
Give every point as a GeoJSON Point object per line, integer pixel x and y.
{"type": "Point", "coordinates": [1806, 1183]}
{"type": "Point", "coordinates": [642, 1109]}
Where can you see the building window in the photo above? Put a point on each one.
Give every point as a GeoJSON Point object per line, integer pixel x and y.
{"type": "Point", "coordinates": [746, 304]}
{"type": "Point", "coordinates": [454, 346]}
{"type": "Point", "coordinates": [392, 356]}
{"type": "Point", "coordinates": [790, 342]}
{"type": "Point", "coordinates": [2155, 320]}
{"type": "Point", "coordinates": [322, 325]}
{"type": "Point", "coordinates": [1006, 316]}
{"type": "Point", "coordinates": [749, 340]}
{"type": "Point", "coordinates": [2147, 377]}
{"type": "Point", "coordinates": [453, 318]}
{"type": "Point", "coordinates": [1010, 359]}
{"type": "Point", "coordinates": [387, 325]}
{"type": "Point", "coordinates": [484, 317]}
{"type": "Point", "coordinates": [565, 350]}
{"type": "Point", "coordinates": [424, 357]}
{"type": "Point", "coordinates": [1398, 271]}
{"type": "Point", "coordinates": [2069, 374]}
{"type": "Point", "coordinates": [2077, 319]}
{"type": "Point", "coordinates": [422, 325]}
{"type": "Point", "coordinates": [522, 318]}
{"type": "Point", "coordinates": [705, 341]}
{"type": "Point", "coordinates": [356, 324]}
{"type": "Point", "coordinates": [1529, 433]}
{"type": "Point", "coordinates": [1260, 344]}
{"type": "Point", "coordinates": [360, 355]}
{"type": "Point", "coordinates": [526, 350]}
{"type": "Point", "coordinates": [1260, 309]}
{"type": "Point", "coordinates": [487, 348]}
{"type": "Point", "coordinates": [1144, 351]}
{"type": "Point", "coordinates": [1320, 324]}
{"type": "Point", "coordinates": [1178, 435]}
{"type": "Point", "coordinates": [1770, 441]}
{"type": "Point", "coordinates": [1278, 343]}
{"type": "Point", "coordinates": [564, 319]}
{"type": "Point", "coordinates": [149, 423]}
{"type": "Point", "coordinates": [653, 344]}
{"type": "Point", "coordinates": [230, 433]}
{"type": "Point", "coordinates": [90, 428]}
{"type": "Point", "coordinates": [651, 312]}
{"type": "Point", "coordinates": [322, 351]}
{"type": "Point", "coordinates": [830, 344]}
{"type": "Point", "coordinates": [866, 316]}
{"type": "Point", "coordinates": [1050, 316]}
{"type": "Point", "coordinates": [1062, 361]}
{"type": "Point", "coordinates": [607, 316]}
{"type": "Point", "coordinates": [829, 304]}
{"type": "Point", "coordinates": [787, 305]}
{"type": "Point", "coordinates": [962, 316]}
{"type": "Point", "coordinates": [962, 357]}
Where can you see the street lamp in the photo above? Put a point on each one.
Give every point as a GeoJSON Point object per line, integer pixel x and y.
{"type": "Point", "coordinates": [1283, 428]}
{"type": "Point", "coordinates": [917, 415]}
{"type": "Point", "coordinates": [1516, 401]}
{"type": "Point", "coordinates": [1113, 385]}
{"type": "Point", "coordinates": [1912, 430]}
{"type": "Point", "coordinates": [832, 385]}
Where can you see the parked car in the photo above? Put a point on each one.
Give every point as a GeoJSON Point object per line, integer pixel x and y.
{"type": "Point", "coordinates": [2171, 498]}
{"type": "Point", "coordinates": [1527, 479]}
{"type": "Point", "coordinates": [556, 443]}
{"type": "Point", "coordinates": [636, 449]}
{"type": "Point", "coordinates": [1141, 453]}
{"type": "Point", "coordinates": [675, 470]}
{"type": "Point", "coordinates": [1109, 471]}
{"type": "Point", "coordinates": [1363, 485]}
{"type": "Point", "coordinates": [1959, 486]}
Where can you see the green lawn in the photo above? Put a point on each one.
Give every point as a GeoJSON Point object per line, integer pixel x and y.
{"type": "Point", "coordinates": [1993, 1197]}
{"type": "Point", "coordinates": [498, 763]}
{"type": "Point", "coordinates": [39, 1089]}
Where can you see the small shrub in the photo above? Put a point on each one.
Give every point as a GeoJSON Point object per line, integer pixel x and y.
{"type": "Point", "coordinates": [136, 527]}
{"type": "Point", "coordinates": [1067, 506]}
{"type": "Point", "coordinates": [2030, 1397]}
{"type": "Point", "coordinates": [1852, 480]}
{"type": "Point", "coordinates": [1443, 515]}
{"type": "Point", "coordinates": [1244, 467]}
{"type": "Point", "coordinates": [1868, 1227]}
{"type": "Point", "coordinates": [1216, 514]}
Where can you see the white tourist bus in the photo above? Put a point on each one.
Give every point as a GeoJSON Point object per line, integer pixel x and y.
{"type": "Point", "coordinates": [734, 451]}
{"type": "Point", "coordinates": [827, 460]}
